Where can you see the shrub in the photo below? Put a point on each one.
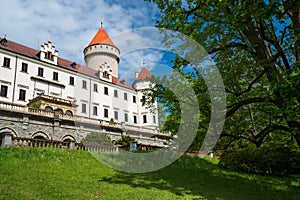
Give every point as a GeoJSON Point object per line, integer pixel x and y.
{"type": "Point", "coordinates": [278, 160]}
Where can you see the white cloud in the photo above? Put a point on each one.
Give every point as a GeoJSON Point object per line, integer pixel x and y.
{"type": "Point", "coordinates": [70, 24]}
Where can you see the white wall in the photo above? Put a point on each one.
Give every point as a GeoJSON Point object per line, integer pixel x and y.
{"type": "Point", "coordinates": [28, 82]}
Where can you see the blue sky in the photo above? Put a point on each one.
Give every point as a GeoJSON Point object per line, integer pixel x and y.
{"type": "Point", "coordinates": [71, 24]}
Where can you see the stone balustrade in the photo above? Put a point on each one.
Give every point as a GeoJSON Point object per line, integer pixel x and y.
{"type": "Point", "coordinates": [144, 135]}
{"type": "Point", "coordinates": [30, 142]}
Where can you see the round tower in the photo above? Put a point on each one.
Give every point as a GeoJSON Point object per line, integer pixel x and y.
{"type": "Point", "coordinates": [102, 52]}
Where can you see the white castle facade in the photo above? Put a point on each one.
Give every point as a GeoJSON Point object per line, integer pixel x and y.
{"type": "Point", "coordinates": [94, 91]}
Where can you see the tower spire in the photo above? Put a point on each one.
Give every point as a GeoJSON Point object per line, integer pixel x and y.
{"type": "Point", "coordinates": [101, 24]}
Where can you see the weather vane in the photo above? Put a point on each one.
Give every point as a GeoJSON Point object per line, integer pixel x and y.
{"type": "Point", "coordinates": [101, 22]}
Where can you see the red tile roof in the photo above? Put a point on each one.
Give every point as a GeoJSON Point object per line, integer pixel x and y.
{"type": "Point", "coordinates": [143, 74]}
{"type": "Point", "coordinates": [101, 37]}
{"type": "Point", "coordinates": [63, 63]}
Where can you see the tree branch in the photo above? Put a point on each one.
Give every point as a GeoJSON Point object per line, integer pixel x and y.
{"type": "Point", "coordinates": [252, 83]}
{"type": "Point", "coordinates": [234, 107]}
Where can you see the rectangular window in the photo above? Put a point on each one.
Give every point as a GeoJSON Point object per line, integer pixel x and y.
{"type": "Point", "coordinates": [144, 119]}
{"type": "Point", "coordinates": [106, 112]}
{"type": "Point", "coordinates": [3, 92]}
{"type": "Point", "coordinates": [126, 117]}
{"type": "Point", "coordinates": [116, 93]}
{"type": "Point", "coordinates": [40, 72]}
{"type": "Point", "coordinates": [84, 84]}
{"type": "Point", "coordinates": [83, 108]}
{"type": "Point", "coordinates": [95, 110]}
{"type": "Point", "coordinates": [106, 90]}
{"type": "Point", "coordinates": [154, 119]}
{"type": "Point", "coordinates": [22, 95]}
{"type": "Point", "coordinates": [6, 62]}
{"type": "Point", "coordinates": [134, 99]}
{"type": "Point", "coordinates": [116, 115]}
{"type": "Point", "coordinates": [55, 76]}
{"type": "Point", "coordinates": [71, 80]}
{"type": "Point", "coordinates": [125, 96]}
{"type": "Point", "coordinates": [24, 67]}
{"type": "Point", "coordinates": [95, 87]}
{"type": "Point", "coordinates": [135, 119]}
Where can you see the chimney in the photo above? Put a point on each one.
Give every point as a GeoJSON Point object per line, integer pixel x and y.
{"type": "Point", "coordinates": [136, 74]}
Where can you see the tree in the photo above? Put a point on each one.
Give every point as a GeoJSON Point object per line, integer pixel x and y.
{"type": "Point", "coordinates": [256, 45]}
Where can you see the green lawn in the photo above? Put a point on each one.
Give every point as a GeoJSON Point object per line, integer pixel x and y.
{"type": "Point", "coordinates": [62, 174]}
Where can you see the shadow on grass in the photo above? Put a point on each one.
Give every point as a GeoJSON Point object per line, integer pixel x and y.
{"type": "Point", "coordinates": [200, 179]}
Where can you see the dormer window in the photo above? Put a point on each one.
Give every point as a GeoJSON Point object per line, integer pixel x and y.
{"type": "Point", "coordinates": [73, 65]}
{"type": "Point", "coordinates": [3, 42]}
{"type": "Point", "coordinates": [49, 56]}
{"type": "Point", "coordinates": [105, 75]}
{"type": "Point", "coordinates": [49, 53]}
{"type": "Point", "coordinates": [105, 72]}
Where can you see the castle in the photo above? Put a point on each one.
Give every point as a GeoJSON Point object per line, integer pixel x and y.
{"type": "Point", "coordinates": [41, 81]}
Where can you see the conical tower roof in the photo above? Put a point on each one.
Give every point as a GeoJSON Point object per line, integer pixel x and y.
{"type": "Point", "coordinates": [143, 75]}
{"type": "Point", "coordinates": [101, 37]}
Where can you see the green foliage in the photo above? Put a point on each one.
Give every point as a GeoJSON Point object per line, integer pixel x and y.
{"type": "Point", "coordinates": [112, 122]}
{"type": "Point", "coordinates": [256, 47]}
{"type": "Point", "coordinates": [96, 139]}
{"type": "Point", "coordinates": [125, 140]}
{"type": "Point", "coordinates": [266, 160]}
{"type": "Point", "coordinates": [35, 105]}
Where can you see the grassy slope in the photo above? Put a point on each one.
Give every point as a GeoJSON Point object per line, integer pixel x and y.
{"type": "Point", "coordinates": [62, 174]}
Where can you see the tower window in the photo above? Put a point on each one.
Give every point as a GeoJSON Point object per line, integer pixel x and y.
{"type": "Point", "coordinates": [24, 67]}
{"type": "Point", "coordinates": [106, 90]}
{"type": "Point", "coordinates": [3, 92]}
{"type": "Point", "coordinates": [71, 80]}
{"type": "Point", "coordinates": [55, 76]}
{"type": "Point", "coordinates": [6, 62]}
{"type": "Point", "coordinates": [22, 95]}
{"type": "Point", "coordinates": [84, 84]}
{"type": "Point", "coordinates": [154, 119]}
{"type": "Point", "coordinates": [40, 72]}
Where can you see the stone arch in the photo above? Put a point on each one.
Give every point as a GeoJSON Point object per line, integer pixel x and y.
{"type": "Point", "coordinates": [8, 130]}
{"type": "Point", "coordinates": [59, 111]}
{"type": "Point", "coordinates": [40, 135]}
{"type": "Point", "coordinates": [69, 113]}
{"type": "Point", "coordinates": [48, 108]}
{"type": "Point", "coordinates": [68, 138]}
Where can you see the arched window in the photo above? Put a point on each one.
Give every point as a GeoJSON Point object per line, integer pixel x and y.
{"type": "Point", "coordinates": [69, 113]}
{"type": "Point", "coordinates": [49, 108]}
{"type": "Point", "coordinates": [58, 111]}
{"type": "Point", "coordinates": [39, 137]}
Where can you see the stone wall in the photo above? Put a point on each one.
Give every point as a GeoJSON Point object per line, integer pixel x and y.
{"type": "Point", "coordinates": [24, 124]}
